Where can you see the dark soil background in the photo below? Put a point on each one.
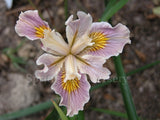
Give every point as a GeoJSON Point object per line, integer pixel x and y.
{"type": "Point", "coordinates": [19, 88]}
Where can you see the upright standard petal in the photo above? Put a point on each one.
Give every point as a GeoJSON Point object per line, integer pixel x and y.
{"type": "Point", "coordinates": [52, 65]}
{"type": "Point", "coordinates": [108, 41]}
{"type": "Point", "coordinates": [77, 28]}
{"type": "Point", "coordinates": [53, 41]}
{"type": "Point", "coordinates": [31, 25]}
{"type": "Point", "coordinates": [93, 66]}
{"type": "Point", "coordinates": [74, 93]}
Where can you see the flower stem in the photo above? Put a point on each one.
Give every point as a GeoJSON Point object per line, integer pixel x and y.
{"type": "Point", "coordinates": [125, 90]}
{"type": "Point", "coordinates": [66, 8]}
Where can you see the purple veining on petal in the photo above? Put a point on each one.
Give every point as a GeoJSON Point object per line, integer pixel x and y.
{"type": "Point", "coordinates": [75, 100]}
{"type": "Point", "coordinates": [117, 36]}
{"type": "Point", "coordinates": [95, 69]}
{"type": "Point", "coordinates": [48, 72]}
{"type": "Point", "coordinates": [77, 28]}
{"type": "Point", "coordinates": [27, 22]}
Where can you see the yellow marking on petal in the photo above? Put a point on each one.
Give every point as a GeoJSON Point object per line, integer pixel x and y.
{"type": "Point", "coordinates": [99, 40]}
{"type": "Point", "coordinates": [70, 85]}
{"type": "Point", "coordinates": [40, 31]}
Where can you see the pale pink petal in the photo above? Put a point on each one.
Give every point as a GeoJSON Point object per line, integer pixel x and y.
{"type": "Point", "coordinates": [27, 23]}
{"type": "Point", "coordinates": [75, 100]}
{"type": "Point", "coordinates": [116, 38]}
{"type": "Point", "coordinates": [77, 28]}
{"type": "Point", "coordinates": [51, 67]}
{"type": "Point", "coordinates": [94, 68]}
{"type": "Point", "coordinates": [54, 41]}
{"type": "Point", "coordinates": [71, 68]}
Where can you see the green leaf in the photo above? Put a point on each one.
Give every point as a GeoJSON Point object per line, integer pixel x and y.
{"type": "Point", "coordinates": [109, 4]}
{"type": "Point", "coordinates": [110, 112]}
{"type": "Point", "coordinates": [27, 111]}
{"type": "Point", "coordinates": [125, 90]}
{"type": "Point", "coordinates": [60, 112]}
{"type": "Point", "coordinates": [66, 8]}
{"type": "Point", "coordinates": [80, 116]}
{"type": "Point", "coordinates": [54, 114]}
{"type": "Point", "coordinates": [99, 85]}
{"type": "Point", "coordinates": [142, 68]}
{"type": "Point", "coordinates": [112, 7]}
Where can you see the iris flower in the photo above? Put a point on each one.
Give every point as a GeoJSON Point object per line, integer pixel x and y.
{"type": "Point", "coordinates": [88, 46]}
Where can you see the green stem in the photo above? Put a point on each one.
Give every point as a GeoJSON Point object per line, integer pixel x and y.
{"type": "Point", "coordinates": [127, 98]}
{"type": "Point", "coordinates": [66, 8]}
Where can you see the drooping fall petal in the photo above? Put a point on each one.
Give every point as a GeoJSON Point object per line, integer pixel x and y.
{"type": "Point", "coordinates": [94, 68]}
{"type": "Point", "coordinates": [52, 65]}
{"type": "Point", "coordinates": [108, 41]}
{"type": "Point", "coordinates": [74, 93]}
{"type": "Point", "coordinates": [31, 25]}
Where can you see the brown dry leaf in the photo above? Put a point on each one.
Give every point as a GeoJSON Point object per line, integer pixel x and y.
{"type": "Point", "coordinates": [141, 55]}
{"type": "Point", "coordinates": [158, 115]}
{"type": "Point", "coordinates": [3, 59]}
{"type": "Point", "coordinates": [151, 16]}
{"type": "Point", "coordinates": [126, 61]}
{"type": "Point", "coordinates": [109, 97]}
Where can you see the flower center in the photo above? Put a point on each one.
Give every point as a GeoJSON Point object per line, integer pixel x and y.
{"type": "Point", "coordinates": [99, 39]}
{"type": "Point", "coordinates": [70, 85]}
{"type": "Point", "coordinates": [40, 31]}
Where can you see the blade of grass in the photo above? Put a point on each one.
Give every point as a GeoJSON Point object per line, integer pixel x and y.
{"type": "Point", "coordinates": [66, 8]}
{"type": "Point", "coordinates": [112, 9]}
{"type": "Point", "coordinates": [143, 68]}
{"type": "Point", "coordinates": [110, 112]}
{"type": "Point", "coordinates": [27, 111]}
{"type": "Point", "coordinates": [109, 4]}
{"type": "Point", "coordinates": [53, 115]}
{"type": "Point", "coordinates": [127, 98]}
{"type": "Point", "coordinates": [99, 85]}
{"type": "Point", "coordinates": [80, 116]}
{"type": "Point", "coordinates": [60, 112]}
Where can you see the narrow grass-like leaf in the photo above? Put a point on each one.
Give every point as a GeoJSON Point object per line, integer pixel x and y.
{"type": "Point", "coordinates": [66, 8]}
{"type": "Point", "coordinates": [127, 98]}
{"type": "Point", "coordinates": [143, 68]}
{"type": "Point", "coordinates": [80, 116]}
{"type": "Point", "coordinates": [109, 4]}
{"type": "Point", "coordinates": [110, 112]}
{"type": "Point", "coordinates": [54, 114]}
{"type": "Point", "coordinates": [60, 112]}
{"type": "Point", "coordinates": [99, 85]}
{"type": "Point", "coordinates": [27, 111]}
{"type": "Point", "coordinates": [112, 9]}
